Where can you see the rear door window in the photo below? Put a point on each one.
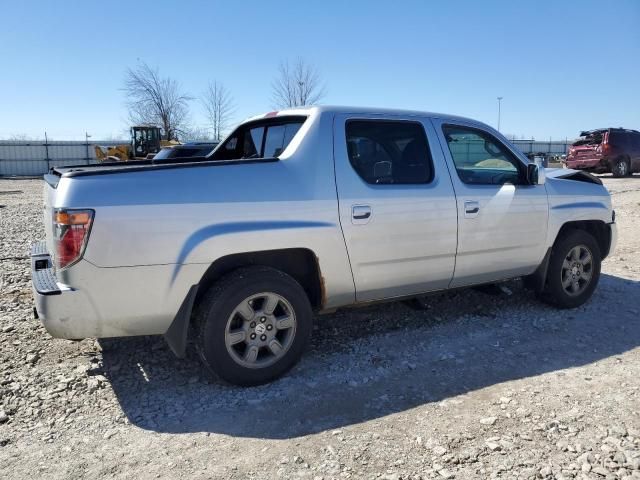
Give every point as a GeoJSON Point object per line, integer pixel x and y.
{"type": "Point", "coordinates": [389, 152]}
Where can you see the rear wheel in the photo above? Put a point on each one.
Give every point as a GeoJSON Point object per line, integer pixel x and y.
{"type": "Point", "coordinates": [620, 168]}
{"type": "Point", "coordinates": [574, 270]}
{"type": "Point", "coordinates": [253, 325]}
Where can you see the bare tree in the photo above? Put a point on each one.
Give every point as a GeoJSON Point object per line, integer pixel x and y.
{"type": "Point", "coordinates": [156, 100]}
{"type": "Point", "coordinates": [296, 85]}
{"type": "Point", "coordinates": [196, 133]}
{"type": "Point", "coordinates": [218, 104]}
{"type": "Point", "coordinates": [22, 137]}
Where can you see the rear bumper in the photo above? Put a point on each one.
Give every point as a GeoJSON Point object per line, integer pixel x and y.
{"type": "Point", "coordinates": [57, 305]}
{"type": "Point", "coordinates": [90, 301]}
{"type": "Point", "coordinates": [590, 163]}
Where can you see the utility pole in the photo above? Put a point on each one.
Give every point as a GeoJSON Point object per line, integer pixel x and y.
{"type": "Point", "coordinates": [499, 105]}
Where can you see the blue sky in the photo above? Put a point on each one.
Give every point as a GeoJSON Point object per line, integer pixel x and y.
{"type": "Point", "coordinates": [560, 66]}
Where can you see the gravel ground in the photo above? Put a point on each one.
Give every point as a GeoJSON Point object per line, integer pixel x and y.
{"type": "Point", "coordinates": [478, 386]}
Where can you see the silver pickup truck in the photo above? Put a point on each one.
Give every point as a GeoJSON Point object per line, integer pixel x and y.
{"type": "Point", "coordinates": [308, 210]}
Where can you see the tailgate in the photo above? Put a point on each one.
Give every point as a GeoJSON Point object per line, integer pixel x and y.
{"type": "Point", "coordinates": [584, 152]}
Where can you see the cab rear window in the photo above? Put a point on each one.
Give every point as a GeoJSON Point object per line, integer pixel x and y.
{"type": "Point", "coordinates": [260, 139]}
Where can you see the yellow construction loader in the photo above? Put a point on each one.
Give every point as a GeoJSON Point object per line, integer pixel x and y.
{"type": "Point", "coordinates": [145, 141]}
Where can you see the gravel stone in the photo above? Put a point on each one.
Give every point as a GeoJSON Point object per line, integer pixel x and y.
{"type": "Point", "coordinates": [474, 387]}
{"type": "Point", "coordinates": [488, 420]}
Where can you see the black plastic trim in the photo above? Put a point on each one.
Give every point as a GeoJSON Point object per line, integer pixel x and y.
{"type": "Point", "coordinates": [39, 249]}
{"type": "Point", "coordinates": [43, 275]}
{"type": "Point", "coordinates": [52, 180]}
{"type": "Point", "coordinates": [537, 280]}
{"type": "Point", "coordinates": [45, 281]}
{"type": "Point", "coordinates": [176, 334]}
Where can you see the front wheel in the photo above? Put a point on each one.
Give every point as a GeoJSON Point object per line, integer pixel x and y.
{"type": "Point", "coordinates": [253, 325]}
{"type": "Point", "coordinates": [574, 270]}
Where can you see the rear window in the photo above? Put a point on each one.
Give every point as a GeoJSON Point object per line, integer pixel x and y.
{"type": "Point", "coordinates": [184, 152]}
{"type": "Point", "coordinates": [594, 138]}
{"type": "Point", "coordinates": [261, 139]}
{"type": "Point", "coordinates": [164, 153]}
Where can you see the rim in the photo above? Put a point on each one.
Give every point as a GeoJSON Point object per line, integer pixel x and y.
{"type": "Point", "coordinates": [622, 167]}
{"type": "Point", "coordinates": [577, 270]}
{"type": "Point", "coordinates": [260, 330]}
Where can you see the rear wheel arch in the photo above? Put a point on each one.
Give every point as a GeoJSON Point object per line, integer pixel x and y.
{"type": "Point", "coordinates": [248, 343]}
{"type": "Point", "coordinates": [300, 263]}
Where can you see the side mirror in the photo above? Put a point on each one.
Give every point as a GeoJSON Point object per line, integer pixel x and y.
{"type": "Point", "coordinates": [535, 174]}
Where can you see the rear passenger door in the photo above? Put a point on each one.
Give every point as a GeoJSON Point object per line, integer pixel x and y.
{"type": "Point", "coordinates": [396, 203]}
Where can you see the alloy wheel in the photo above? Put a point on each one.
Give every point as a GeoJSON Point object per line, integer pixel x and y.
{"type": "Point", "coordinates": [577, 270]}
{"type": "Point", "coordinates": [260, 330]}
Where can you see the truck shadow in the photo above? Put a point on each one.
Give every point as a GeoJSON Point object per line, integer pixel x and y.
{"type": "Point", "coordinates": [368, 363]}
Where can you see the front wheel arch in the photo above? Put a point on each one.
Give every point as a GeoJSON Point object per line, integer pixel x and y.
{"type": "Point", "coordinates": [596, 228]}
{"type": "Point", "coordinates": [555, 289]}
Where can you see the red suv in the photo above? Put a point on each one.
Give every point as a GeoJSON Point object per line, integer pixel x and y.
{"type": "Point", "coordinates": [615, 150]}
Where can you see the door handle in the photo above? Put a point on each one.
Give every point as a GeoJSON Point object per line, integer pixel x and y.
{"type": "Point", "coordinates": [471, 208]}
{"type": "Point", "coordinates": [360, 213]}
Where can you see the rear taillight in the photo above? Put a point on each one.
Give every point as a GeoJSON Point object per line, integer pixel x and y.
{"type": "Point", "coordinates": [605, 147]}
{"type": "Point", "coordinates": [70, 234]}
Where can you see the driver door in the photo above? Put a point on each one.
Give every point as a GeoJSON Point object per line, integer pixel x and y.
{"type": "Point", "coordinates": [502, 220]}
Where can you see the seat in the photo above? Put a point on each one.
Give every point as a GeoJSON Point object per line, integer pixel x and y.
{"type": "Point", "coordinates": [413, 166]}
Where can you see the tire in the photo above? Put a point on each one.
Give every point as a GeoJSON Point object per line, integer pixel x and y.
{"type": "Point", "coordinates": [620, 168]}
{"type": "Point", "coordinates": [566, 284]}
{"type": "Point", "coordinates": [236, 307]}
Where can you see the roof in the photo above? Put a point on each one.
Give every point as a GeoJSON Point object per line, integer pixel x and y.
{"type": "Point", "coordinates": [359, 110]}
{"type": "Point", "coordinates": [600, 130]}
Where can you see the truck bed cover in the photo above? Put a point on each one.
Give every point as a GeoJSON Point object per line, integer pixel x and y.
{"type": "Point", "coordinates": [147, 165]}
